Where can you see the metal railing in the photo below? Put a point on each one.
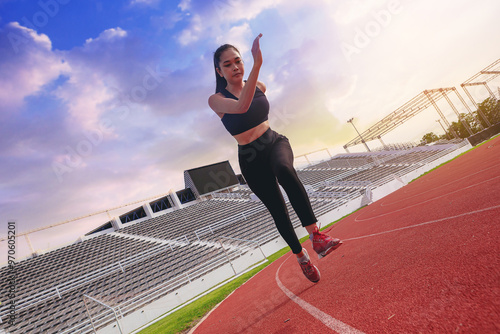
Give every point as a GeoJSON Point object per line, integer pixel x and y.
{"type": "Point", "coordinates": [124, 308]}
{"type": "Point", "coordinates": [212, 228]}
{"type": "Point", "coordinates": [29, 300]}
{"type": "Point", "coordinates": [233, 195]}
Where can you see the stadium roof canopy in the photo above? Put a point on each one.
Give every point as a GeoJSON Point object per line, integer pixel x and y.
{"type": "Point", "coordinates": [482, 78]}
{"type": "Point", "coordinates": [423, 100]}
{"type": "Point", "coordinates": [411, 108]}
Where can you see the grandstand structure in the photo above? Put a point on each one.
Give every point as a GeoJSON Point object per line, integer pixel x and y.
{"type": "Point", "coordinates": [138, 266]}
{"type": "Point", "coordinates": [429, 98]}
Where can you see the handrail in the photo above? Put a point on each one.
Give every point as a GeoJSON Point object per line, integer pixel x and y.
{"type": "Point", "coordinates": [57, 290]}
{"type": "Point", "coordinates": [72, 284]}
{"type": "Point", "coordinates": [226, 221]}
{"type": "Point", "coordinates": [246, 240]}
{"type": "Point", "coordinates": [147, 296]}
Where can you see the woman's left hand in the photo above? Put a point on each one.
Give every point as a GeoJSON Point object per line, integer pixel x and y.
{"type": "Point", "coordinates": [256, 53]}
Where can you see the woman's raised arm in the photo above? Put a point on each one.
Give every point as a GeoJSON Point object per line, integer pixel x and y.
{"type": "Point", "coordinates": [222, 105]}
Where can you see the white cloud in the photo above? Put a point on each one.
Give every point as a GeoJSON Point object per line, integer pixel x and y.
{"type": "Point", "coordinates": [210, 18]}
{"type": "Point", "coordinates": [110, 72]}
{"type": "Point", "coordinates": [239, 36]}
{"type": "Point", "coordinates": [166, 21]}
{"type": "Point", "coordinates": [27, 64]}
{"type": "Point", "coordinates": [191, 35]}
{"type": "Point", "coordinates": [108, 35]}
{"type": "Point", "coordinates": [234, 11]}
{"type": "Point", "coordinates": [85, 96]}
{"type": "Point", "coordinates": [87, 91]}
{"type": "Point", "coordinates": [144, 2]}
{"type": "Point", "coordinates": [352, 11]}
{"type": "Point", "coordinates": [184, 5]}
{"type": "Point", "coordinates": [41, 39]}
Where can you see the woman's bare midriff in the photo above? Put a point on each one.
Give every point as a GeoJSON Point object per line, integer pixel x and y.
{"type": "Point", "coordinates": [252, 134]}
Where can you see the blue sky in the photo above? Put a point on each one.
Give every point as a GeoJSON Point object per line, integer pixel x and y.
{"type": "Point", "coordinates": [104, 103]}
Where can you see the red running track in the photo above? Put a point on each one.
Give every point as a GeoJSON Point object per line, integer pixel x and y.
{"type": "Point", "coordinates": [424, 259]}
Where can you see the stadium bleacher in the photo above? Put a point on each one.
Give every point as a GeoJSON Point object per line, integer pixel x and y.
{"type": "Point", "coordinates": [116, 267]}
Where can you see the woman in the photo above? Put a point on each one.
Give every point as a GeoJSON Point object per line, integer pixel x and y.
{"type": "Point", "coordinates": [265, 156]}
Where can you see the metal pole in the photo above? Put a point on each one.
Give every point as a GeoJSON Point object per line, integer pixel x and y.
{"type": "Point", "coordinates": [362, 140]}
{"type": "Point", "coordinates": [464, 123]}
{"type": "Point", "coordinates": [488, 124]}
{"type": "Point", "coordinates": [29, 244]}
{"type": "Point", "coordinates": [464, 86]}
{"type": "Point", "coordinates": [468, 109]}
{"type": "Point", "coordinates": [440, 113]}
{"type": "Point", "coordinates": [112, 309]}
{"type": "Point", "coordinates": [445, 132]}
{"type": "Point", "coordinates": [246, 240]}
{"type": "Point", "coordinates": [308, 162]}
{"type": "Point", "coordinates": [117, 321]}
{"type": "Point", "coordinates": [88, 312]}
{"type": "Point", "coordinates": [383, 144]}
{"type": "Point", "coordinates": [489, 91]}
{"type": "Point", "coordinates": [228, 260]}
{"type": "Point", "coordinates": [264, 255]}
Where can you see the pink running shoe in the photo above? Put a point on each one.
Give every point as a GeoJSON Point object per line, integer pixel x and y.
{"type": "Point", "coordinates": [310, 270]}
{"type": "Point", "coordinates": [324, 244]}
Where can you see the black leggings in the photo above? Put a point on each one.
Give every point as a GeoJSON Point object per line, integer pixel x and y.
{"type": "Point", "coordinates": [265, 162]}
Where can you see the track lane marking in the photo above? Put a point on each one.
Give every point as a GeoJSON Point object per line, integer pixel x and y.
{"type": "Point", "coordinates": [325, 318]}
{"type": "Point", "coordinates": [425, 223]}
{"type": "Point", "coordinates": [357, 219]}
{"type": "Point", "coordinates": [436, 188]}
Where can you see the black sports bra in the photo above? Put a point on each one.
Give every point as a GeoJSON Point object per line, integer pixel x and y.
{"type": "Point", "coordinates": [256, 114]}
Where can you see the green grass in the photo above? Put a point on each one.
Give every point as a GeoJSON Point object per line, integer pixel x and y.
{"type": "Point", "coordinates": [188, 316]}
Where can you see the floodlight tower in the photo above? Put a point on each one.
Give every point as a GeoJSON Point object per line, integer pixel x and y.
{"type": "Point", "coordinates": [362, 140]}
{"type": "Point", "coordinates": [445, 132]}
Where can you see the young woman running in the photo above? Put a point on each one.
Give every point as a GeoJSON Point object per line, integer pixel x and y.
{"type": "Point", "coordinates": [265, 157]}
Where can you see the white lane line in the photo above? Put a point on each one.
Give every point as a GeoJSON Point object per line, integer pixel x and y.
{"type": "Point", "coordinates": [438, 187]}
{"type": "Point", "coordinates": [357, 219]}
{"type": "Point", "coordinates": [425, 223]}
{"type": "Point", "coordinates": [326, 319]}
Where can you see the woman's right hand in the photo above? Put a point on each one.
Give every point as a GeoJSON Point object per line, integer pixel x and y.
{"type": "Point", "coordinates": [256, 53]}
